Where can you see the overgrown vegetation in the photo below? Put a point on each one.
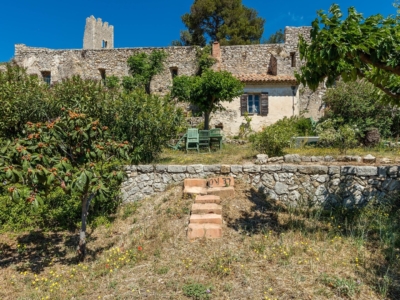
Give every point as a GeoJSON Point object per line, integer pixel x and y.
{"type": "Point", "coordinates": [274, 138]}
{"type": "Point", "coordinates": [343, 138]}
{"type": "Point", "coordinates": [143, 67]}
{"type": "Point", "coordinates": [359, 105]}
{"type": "Point", "coordinates": [267, 251]}
{"type": "Point", "coordinates": [73, 137]}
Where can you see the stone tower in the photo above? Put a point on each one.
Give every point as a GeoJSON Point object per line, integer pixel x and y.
{"type": "Point", "coordinates": [98, 35]}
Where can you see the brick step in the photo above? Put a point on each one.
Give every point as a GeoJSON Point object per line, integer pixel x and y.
{"type": "Point", "coordinates": [223, 192]}
{"type": "Point", "coordinates": [195, 182]}
{"type": "Point", "coordinates": [207, 199]}
{"type": "Point", "coordinates": [204, 230]}
{"type": "Point", "coordinates": [198, 190]}
{"type": "Point", "coordinates": [206, 218]}
{"type": "Point", "coordinates": [207, 208]}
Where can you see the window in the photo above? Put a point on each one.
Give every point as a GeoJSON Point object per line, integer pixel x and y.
{"type": "Point", "coordinates": [254, 104]}
{"type": "Point", "coordinates": [174, 72]}
{"type": "Point", "coordinates": [103, 75]}
{"type": "Point", "coordinates": [46, 75]}
{"type": "Point", "coordinates": [104, 44]}
{"type": "Point", "coordinates": [293, 59]}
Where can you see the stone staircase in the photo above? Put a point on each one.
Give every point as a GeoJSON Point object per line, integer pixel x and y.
{"type": "Point", "coordinates": [206, 213]}
{"type": "Point", "coordinates": [206, 218]}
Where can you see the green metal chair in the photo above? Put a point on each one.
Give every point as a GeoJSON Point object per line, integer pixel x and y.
{"type": "Point", "coordinates": [204, 139]}
{"type": "Point", "coordinates": [192, 139]}
{"type": "Point", "coordinates": [216, 137]}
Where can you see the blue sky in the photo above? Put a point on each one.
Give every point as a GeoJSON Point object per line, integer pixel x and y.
{"type": "Point", "coordinates": [60, 24]}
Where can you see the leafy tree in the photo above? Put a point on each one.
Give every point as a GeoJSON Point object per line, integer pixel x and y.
{"type": "Point", "coordinates": [144, 67]}
{"type": "Point", "coordinates": [72, 152]}
{"type": "Point", "coordinates": [207, 91]}
{"type": "Point", "coordinates": [204, 60]}
{"type": "Point", "coordinates": [23, 98]}
{"type": "Point", "coordinates": [354, 47]}
{"type": "Point", "coordinates": [147, 122]}
{"type": "Point", "coordinates": [355, 104]}
{"type": "Point", "coordinates": [226, 21]}
{"type": "Point", "coordinates": [276, 38]}
{"type": "Point", "coordinates": [84, 95]}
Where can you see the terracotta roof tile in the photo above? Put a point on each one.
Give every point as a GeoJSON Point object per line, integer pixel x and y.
{"type": "Point", "coordinates": [266, 78]}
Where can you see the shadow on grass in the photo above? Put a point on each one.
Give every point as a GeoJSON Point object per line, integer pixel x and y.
{"type": "Point", "coordinates": [37, 250]}
{"type": "Point", "coordinates": [358, 223]}
{"type": "Point", "coordinates": [261, 218]}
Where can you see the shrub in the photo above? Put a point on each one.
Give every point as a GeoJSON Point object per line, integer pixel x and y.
{"type": "Point", "coordinates": [303, 126]}
{"type": "Point", "coordinates": [274, 138]}
{"type": "Point", "coordinates": [344, 137]}
{"type": "Point", "coordinates": [23, 98]}
{"type": "Point", "coordinates": [360, 104]}
{"type": "Point", "coordinates": [147, 121]}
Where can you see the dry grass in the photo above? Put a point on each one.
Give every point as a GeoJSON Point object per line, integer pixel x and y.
{"type": "Point", "coordinates": [266, 252]}
{"type": "Point", "coordinates": [391, 153]}
{"type": "Point", "coordinates": [240, 154]}
{"type": "Point", "coordinates": [229, 154]}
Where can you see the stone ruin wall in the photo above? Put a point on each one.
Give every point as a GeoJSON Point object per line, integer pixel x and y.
{"type": "Point", "coordinates": [96, 32]}
{"type": "Point", "coordinates": [88, 62]}
{"type": "Point", "coordinates": [311, 185]}
{"type": "Point", "coordinates": [311, 104]}
{"type": "Point", "coordinates": [246, 59]}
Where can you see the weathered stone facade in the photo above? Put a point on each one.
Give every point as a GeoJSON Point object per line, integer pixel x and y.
{"type": "Point", "coordinates": [274, 64]}
{"type": "Point", "coordinates": [98, 35]}
{"type": "Point", "coordinates": [319, 185]}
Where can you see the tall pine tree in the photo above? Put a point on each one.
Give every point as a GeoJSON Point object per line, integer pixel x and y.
{"type": "Point", "coordinates": [226, 21]}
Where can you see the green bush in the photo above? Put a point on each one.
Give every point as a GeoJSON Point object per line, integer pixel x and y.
{"type": "Point", "coordinates": [361, 105]}
{"type": "Point", "coordinates": [344, 137]}
{"type": "Point", "coordinates": [274, 138]}
{"type": "Point", "coordinates": [147, 121]}
{"type": "Point", "coordinates": [303, 126]}
{"type": "Point", "coordinates": [23, 98]}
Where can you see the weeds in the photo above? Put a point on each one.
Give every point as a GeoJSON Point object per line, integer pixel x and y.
{"type": "Point", "coordinates": [266, 252]}
{"type": "Point", "coordinates": [347, 287]}
{"type": "Point", "coordinates": [197, 291]}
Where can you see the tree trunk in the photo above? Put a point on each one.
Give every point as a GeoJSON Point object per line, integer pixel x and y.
{"type": "Point", "coordinates": [147, 88]}
{"type": "Point", "coordinates": [206, 120]}
{"type": "Point", "coordinates": [81, 249]}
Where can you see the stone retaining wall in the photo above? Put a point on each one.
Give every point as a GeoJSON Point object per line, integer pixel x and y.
{"type": "Point", "coordinates": [289, 183]}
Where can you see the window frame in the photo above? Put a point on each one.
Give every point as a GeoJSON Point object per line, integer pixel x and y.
{"type": "Point", "coordinates": [253, 95]}
{"type": "Point", "coordinates": [263, 104]}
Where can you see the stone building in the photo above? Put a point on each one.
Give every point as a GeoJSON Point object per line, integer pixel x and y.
{"type": "Point", "coordinates": [271, 91]}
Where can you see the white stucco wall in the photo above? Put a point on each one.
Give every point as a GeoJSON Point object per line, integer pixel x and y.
{"type": "Point", "coordinates": [281, 102]}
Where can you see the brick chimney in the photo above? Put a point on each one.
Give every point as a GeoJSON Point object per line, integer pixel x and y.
{"type": "Point", "coordinates": [216, 53]}
{"type": "Point", "coordinates": [216, 50]}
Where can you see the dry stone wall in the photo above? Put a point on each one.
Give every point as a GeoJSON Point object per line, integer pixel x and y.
{"type": "Point", "coordinates": [292, 184]}
{"type": "Point", "coordinates": [245, 59]}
